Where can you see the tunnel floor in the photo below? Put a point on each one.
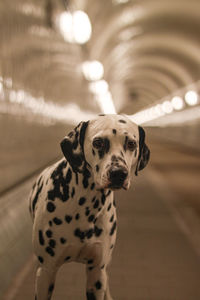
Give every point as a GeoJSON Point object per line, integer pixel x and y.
{"type": "Point", "coordinates": [156, 255]}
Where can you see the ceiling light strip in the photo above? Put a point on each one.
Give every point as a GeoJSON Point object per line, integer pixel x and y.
{"type": "Point", "coordinates": [184, 99]}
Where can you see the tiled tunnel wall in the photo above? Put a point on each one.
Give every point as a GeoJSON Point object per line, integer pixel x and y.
{"type": "Point", "coordinates": [25, 148]}
{"type": "Point", "coordinates": [186, 135]}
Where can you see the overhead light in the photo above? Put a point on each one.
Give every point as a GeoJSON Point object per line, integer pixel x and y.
{"type": "Point", "coordinates": [158, 110]}
{"type": "Point", "coordinates": [129, 33]}
{"type": "Point", "coordinates": [102, 95]}
{"type": "Point", "coordinates": [1, 87]}
{"type": "Point", "coordinates": [75, 27]}
{"type": "Point", "coordinates": [99, 87]}
{"type": "Point", "coordinates": [167, 110]}
{"type": "Point", "coordinates": [23, 103]}
{"type": "Point", "coordinates": [167, 107]}
{"type": "Point", "coordinates": [105, 102]}
{"type": "Point", "coordinates": [177, 103]}
{"type": "Point", "coordinates": [191, 98]}
{"type": "Point", "coordinates": [93, 70]}
{"type": "Point", "coordinates": [120, 1]}
{"type": "Point", "coordinates": [65, 22]}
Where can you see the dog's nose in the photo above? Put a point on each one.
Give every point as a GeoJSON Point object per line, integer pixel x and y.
{"type": "Point", "coordinates": [117, 176]}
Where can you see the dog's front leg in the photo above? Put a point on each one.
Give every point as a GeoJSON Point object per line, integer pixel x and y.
{"type": "Point", "coordinates": [96, 282]}
{"type": "Point", "coordinates": [107, 293]}
{"type": "Point", "coordinates": [44, 283]}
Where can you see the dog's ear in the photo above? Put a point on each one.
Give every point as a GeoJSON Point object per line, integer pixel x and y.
{"type": "Point", "coordinates": [72, 147]}
{"type": "Point", "coordinates": [144, 152]}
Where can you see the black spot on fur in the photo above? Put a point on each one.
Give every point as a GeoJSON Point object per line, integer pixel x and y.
{"type": "Point", "coordinates": [68, 176]}
{"type": "Point", "coordinates": [41, 259]}
{"type": "Point", "coordinates": [109, 207]}
{"type": "Point", "coordinates": [51, 288]}
{"type": "Point", "coordinates": [111, 219]}
{"type": "Point", "coordinates": [65, 195]}
{"type": "Point", "coordinates": [82, 200]}
{"type": "Point", "coordinates": [50, 223]}
{"type": "Point", "coordinates": [103, 199]}
{"type": "Point", "coordinates": [114, 131]}
{"type": "Point", "coordinates": [93, 152]}
{"type": "Point", "coordinates": [87, 211]}
{"type": "Point", "coordinates": [36, 197]}
{"type": "Point", "coordinates": [92, 186]}
{"type": "Point", "coordinates": [90, 268]}
{"type": "Point", "coordinates": [97, 168]}
{"type": "Point", "coordinates": [59, 183]}
{"type": "Point", "coordinates": [77, 216]}
{"type": "Point", "coordinates": [67, 258]}
{"type": "Point", "coordinates": [52, 243]}
{"type": "Point", "coordinates": [98, 285]}
{"type": "Point", "coordinates": [80, 234]}
{"type": "Point", "coordinates": [105, 149]}
{"type": "Point", "coordinates": [113, 228]}
{"type": "Point", "coordinates": [107, 145]}
{"type": "Point", "coordinates": [109, 192]}
{"type": "Point", "coordinates": [76, 178]}
{"type": "Point", "coordinates": [68, 218]}
{"type": "Point", "coordinates": [125, 143]}
{"type": "Point", "coordinates": [86, 176]}
{"type": "Point", "coordinates": [97, 231]}
{"type": "Point", "coordinates": [51, 206]}
{"type": "Point", "coordinates": [73, 192]}
{"type": "Point", "coordinates": [91, 218]}
{"type": "Point", "coordinates": [50, 251]}
{"type": "Point", "coordinates": [90, 261]}
{"type": "Point", "coordinates": [101, 115]}
{"type": "Point", "coordinates": [89, 233]}
{"type": "Point", "coordinates": [57, 221]}
{"type": "Point", "coordinates": [49, 233]}
{"type": "Point", "coordinates": [41, 238]}
{"type": "Point", "coordinates": [90, 296]}
{"type": "Point", "coordinates": [122, 121]}
{"type": "Point", "coordinates": [63, 240]}
{"type": "Point", "coordinates": [96, 204]}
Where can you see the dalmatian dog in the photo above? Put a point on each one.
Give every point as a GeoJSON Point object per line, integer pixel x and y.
{"type": "Point", "coordinates": [72, 204]}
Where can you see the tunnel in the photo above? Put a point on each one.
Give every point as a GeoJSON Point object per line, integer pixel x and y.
{"type": "Point", "coordinates": [63, 62]}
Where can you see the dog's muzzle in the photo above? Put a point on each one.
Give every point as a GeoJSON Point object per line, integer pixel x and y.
{"type": "Point", "coordinates": [117, 177]}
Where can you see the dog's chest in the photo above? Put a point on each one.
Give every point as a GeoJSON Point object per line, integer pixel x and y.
{"type": "Point", "coordinates": [72, 208]}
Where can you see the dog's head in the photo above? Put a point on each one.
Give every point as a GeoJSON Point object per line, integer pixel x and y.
{"type": "Point", "coordinates": [111, 146]}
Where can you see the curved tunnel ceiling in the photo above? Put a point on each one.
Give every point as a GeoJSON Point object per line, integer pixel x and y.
{"type": "Point", "coordinates": [149, 50]}
{"type": "Point", "coordinates": [149, 45]}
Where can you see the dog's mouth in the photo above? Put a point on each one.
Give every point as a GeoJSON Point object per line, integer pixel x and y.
{"type": "Point", "coordinates": [113, 187]}
{"type": "Point", "coordinates": [118, 186]}
{"type": "Point", "coordinates": [115, 179]}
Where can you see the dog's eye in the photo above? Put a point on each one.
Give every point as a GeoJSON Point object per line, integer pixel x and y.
{"type": "Point", "coordinates": [131, 145]}
{"type": "Point", "coordinates": [98, 143]}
